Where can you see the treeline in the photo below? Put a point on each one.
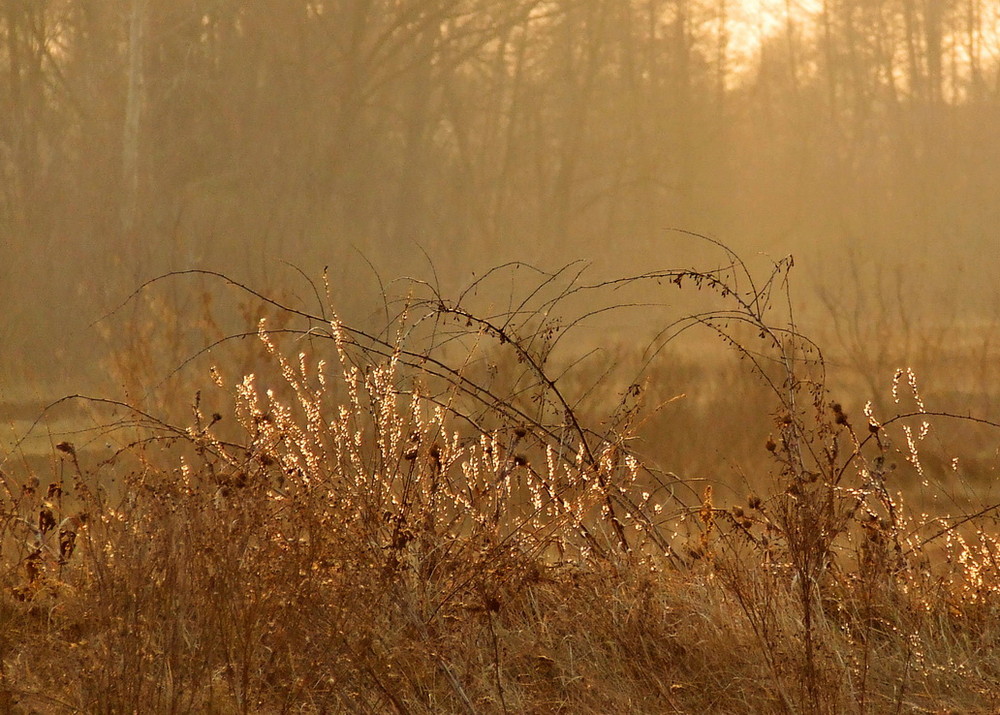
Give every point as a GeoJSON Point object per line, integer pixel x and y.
{"type": "Point", "coordinates": [142, 135]}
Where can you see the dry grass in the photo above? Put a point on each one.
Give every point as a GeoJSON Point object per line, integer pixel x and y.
{"type": "Point", "coordinates": [440, 518]}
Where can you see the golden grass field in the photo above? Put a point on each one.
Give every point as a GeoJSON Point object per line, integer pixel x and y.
{"type": "Point", "coordinates": [465, 511]}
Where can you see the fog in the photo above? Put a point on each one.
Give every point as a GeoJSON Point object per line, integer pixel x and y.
{"type": "Point", "coordinates": [273, 138]}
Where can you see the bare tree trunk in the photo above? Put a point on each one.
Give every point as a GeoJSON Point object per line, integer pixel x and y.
{"type": "Point", "coordinates": [410, 216]}
{"type": "Point", "coordinates": [912, 51]}
{"type": "Point", "coordinates": [133, 122]}
{"type": "Point", "coordinates": [933, 32]}
{"type": "Point", "coordinates": [721, 53]}
{"type": "Point", "coordinates": [580, 76]}
{"type": "Point", "coordinates": [974, 46]}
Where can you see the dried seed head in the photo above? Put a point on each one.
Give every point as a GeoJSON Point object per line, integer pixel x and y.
{"type": "Point", "coordinates": [770, 445]}
{"type": "Point", "coordinates": [838, 412]}
{"type": "Point", "coordinates": [46, 518]}
{"type": "Point", "coordinates": [66, 448]}
{"type": "Point", "coordinates": [67, 544]}
{"type": "Point", "coordinates": [31, 565]}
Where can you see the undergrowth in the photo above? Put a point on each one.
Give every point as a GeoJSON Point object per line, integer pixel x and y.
{"type": "Point", "coordinates": [446, 515]}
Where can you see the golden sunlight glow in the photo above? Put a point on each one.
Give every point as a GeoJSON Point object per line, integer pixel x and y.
{"type": "Point", "coordinates": [750, 24]}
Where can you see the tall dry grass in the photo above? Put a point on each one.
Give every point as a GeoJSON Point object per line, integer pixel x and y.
{"type": "Point", "coordinates": [454, 513]}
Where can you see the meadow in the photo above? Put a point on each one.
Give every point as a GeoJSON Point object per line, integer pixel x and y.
{"type": "Point", "coordinates": [507, 510]}
{"type": "Point", "coordinates": [541, 474]}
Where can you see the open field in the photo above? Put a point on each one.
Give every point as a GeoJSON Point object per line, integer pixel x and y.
{"type": "Point", "coordinates": [456, 514]}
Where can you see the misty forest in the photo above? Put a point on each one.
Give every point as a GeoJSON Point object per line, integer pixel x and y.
{"type": "Point", "coordinates": [499, 356]}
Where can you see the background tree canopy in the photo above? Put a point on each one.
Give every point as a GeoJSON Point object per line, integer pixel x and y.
{"type": "Point", "coordinates": [139, 136]}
